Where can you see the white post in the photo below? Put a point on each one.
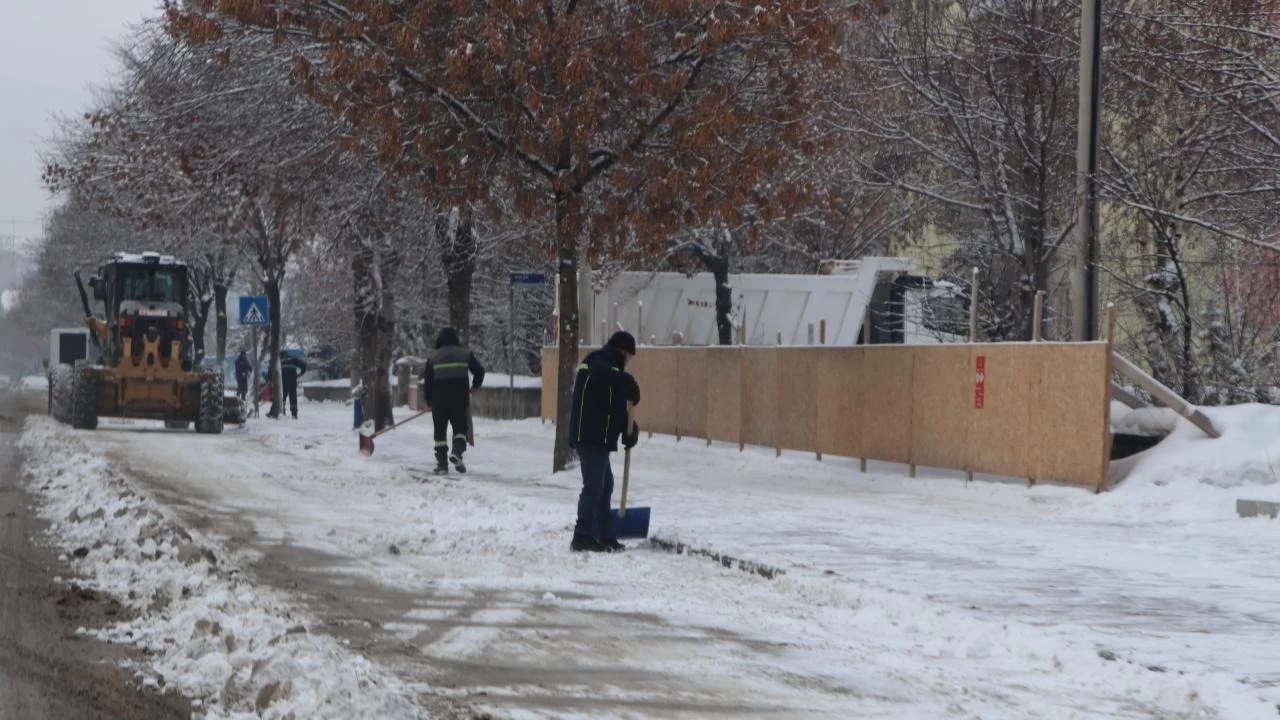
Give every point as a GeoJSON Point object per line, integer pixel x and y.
{"type": "Point", "coordinates": [1037, 321]}
{"type": "Point", "coordinates": [810, 334]}
{"type": "Point", "coordinates": [511, 358]}
{"type": "Point", "coordinates": [973, 308]}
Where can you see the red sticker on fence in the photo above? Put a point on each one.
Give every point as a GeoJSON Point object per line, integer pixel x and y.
{"type": "Point", "coordinates": [980, 383]}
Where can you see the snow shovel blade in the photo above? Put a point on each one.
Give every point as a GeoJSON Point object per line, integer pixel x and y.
{"type": "Point", "coordinates": [366, 445]}
{"type": "Point", "coordinates": [634, 525]}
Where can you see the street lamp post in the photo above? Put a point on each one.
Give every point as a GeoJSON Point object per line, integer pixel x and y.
{"type": "Point", "coordinates": [1088, 255]}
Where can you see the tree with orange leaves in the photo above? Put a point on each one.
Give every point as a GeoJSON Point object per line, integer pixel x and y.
{"type": "Point", "coordinates": [621, 122]}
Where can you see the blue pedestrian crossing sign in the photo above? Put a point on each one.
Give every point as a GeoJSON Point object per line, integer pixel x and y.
{"type": "Point", "coordinates": [253, 310]}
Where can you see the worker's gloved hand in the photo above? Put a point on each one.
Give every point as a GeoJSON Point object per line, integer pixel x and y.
{"type": "Point", "coordinates": [629, 441]}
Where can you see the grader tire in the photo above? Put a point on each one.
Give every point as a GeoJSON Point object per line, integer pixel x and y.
{"type": "Point", "coordinates": [210, 420]}
{"type": "Point", "coordinates": [61, 391]}
{"type": "Point", "coordinates": [84, 403]}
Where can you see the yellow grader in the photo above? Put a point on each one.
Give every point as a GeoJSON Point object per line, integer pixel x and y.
{"type": "Point", "coordinates": [145, 365]}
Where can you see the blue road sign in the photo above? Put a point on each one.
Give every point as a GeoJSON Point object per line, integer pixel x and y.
{"type": "Point", "coordinates": [253, 310]}
{"type": "Point", "coordinates": [528, 280]}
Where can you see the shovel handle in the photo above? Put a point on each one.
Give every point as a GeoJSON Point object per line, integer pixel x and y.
{"type": "Point", "coordinates": [626, 468]}
{"type": "Point", "coordinates": [626, 480]}
{"type": "Point", "coordinates": [389, 428]}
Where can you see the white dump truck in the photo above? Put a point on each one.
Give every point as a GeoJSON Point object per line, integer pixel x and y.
{"type": "Point", "coordinates": [830, 307]}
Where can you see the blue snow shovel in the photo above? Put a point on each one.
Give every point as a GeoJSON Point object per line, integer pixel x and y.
{"type": "Point", "coordinates": [629, 523]}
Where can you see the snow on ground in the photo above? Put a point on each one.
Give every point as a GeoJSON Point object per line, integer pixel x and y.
{"type": "Point", "coordinates": [35, 383]}
{"type": "Point", "coordinates": [241, 651]}
{"type": "Point", "coordinates": [337, 383]}
{"type": "Point", "coordinates": [901, 598]}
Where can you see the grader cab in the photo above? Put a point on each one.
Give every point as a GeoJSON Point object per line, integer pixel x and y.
{"type": "Point", "coordinates": [144, 364]}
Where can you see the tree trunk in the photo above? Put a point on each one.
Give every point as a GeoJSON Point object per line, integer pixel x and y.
{"type": "Point", "coordinates": [199, 320]}
{"type": "Point", "coordinates": [717, 262]}
{"type": "Point", "coordinates": [365, 315]}
{"type": "Point", "coordinates": [220, 318]}
{"type": "Point", "coordinates": [458, 250]}
{"type": "Point", "coordinates": [384, 396]}
{"type": "Point", "coordinates": [223, 274]}
{"type": "Point", "coordinates": [724, 303]}
{"type": "Point", "coordinates": [567, 252]}
{"type": "Point", "coordinates": [272, 287]}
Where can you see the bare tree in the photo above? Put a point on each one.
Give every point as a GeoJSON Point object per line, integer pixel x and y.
{"type": "Point", "coordinates": [1190, 172]}
{"type": "Point", "coordinates": [602, 113]}
{"type": "Point", "coordinates": [970, 106]}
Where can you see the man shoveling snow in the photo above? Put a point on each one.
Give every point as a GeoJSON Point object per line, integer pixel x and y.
{"type": "Point", "coordinates": [601, 392]}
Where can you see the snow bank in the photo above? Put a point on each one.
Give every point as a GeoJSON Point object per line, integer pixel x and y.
{"type": "Point", "coordinates": [1192, 476]}
{"type": "Point", "coordinates": [240, 652]}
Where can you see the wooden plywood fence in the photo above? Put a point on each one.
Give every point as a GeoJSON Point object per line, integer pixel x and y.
{"type": "Point", "coordinates": [1038, 411]}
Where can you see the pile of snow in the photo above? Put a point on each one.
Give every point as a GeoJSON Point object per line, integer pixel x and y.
{"type": "Point", "coordinates": [239, 651]}
{"type": "Point", "coordinates": [1147, 422]}
{"type": "Point", "coordinates": [8, 300]}
{"type": "Point", "coordinates": [1192, 476]}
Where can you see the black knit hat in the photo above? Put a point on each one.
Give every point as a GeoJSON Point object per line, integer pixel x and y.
{"type": "Point", "coordinates": [623, 341]}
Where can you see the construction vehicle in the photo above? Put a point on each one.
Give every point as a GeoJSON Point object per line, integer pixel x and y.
{"type": "Point", "coordinates": [885, 294]}
{"type": "Point", "coordinates": [143, 366]}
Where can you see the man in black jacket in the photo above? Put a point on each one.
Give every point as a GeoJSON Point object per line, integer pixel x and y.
{"type": "Point", "coordinates": [601, 392]}
{"type": "Point", "coordinates": [291, 368]}
{"type": "Point", "coordinates": [243, 369]}
{"type": "Point", "coordinates": [448, 393]}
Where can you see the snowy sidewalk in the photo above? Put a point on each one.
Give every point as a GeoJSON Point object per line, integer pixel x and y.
{"type": "Point", "coordinates": [902, 598]}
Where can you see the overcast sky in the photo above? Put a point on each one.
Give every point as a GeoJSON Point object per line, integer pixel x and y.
{"type": "Point", "coordinates": [51, 53]}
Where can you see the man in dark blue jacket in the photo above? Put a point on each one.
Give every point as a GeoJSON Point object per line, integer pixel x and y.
{"type": "Point", "coordinates": [291, 368]}
{"type": "Point", "coordinates": [601, 392]}
{"type": "Point", "coordinates": [448, 393]}
{"type": "Point", "coordinates": [243, 368]}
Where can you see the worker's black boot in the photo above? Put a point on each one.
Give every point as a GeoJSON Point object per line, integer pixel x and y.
{"type": "Point", "coordinates": [459, 446]}
{"type": "Point", "coordinates": [442, 461]}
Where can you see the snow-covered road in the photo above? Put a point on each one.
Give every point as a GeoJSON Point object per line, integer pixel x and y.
{"type": "Point", "coordinates": [901, 599]}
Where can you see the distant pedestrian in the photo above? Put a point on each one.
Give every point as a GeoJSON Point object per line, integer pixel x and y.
{"type": "Point", "coordinates": [447, 389]}
{"type": "Point", "coordinates": [291, 368]}
{"type": "Point", "coordinates": [243, 368]}
{"type": "Point", "coordinates": [601, 392]}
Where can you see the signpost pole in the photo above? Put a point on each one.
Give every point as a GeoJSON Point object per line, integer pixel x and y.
{"type": "Point", "coordinates": [525, 281]}
{"type": "Point", "coordinates": [254, 315]}
{"type": "Point", "coordinates": [257, 392]}
{"type": "Point", "coordinates": [511, 358]}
